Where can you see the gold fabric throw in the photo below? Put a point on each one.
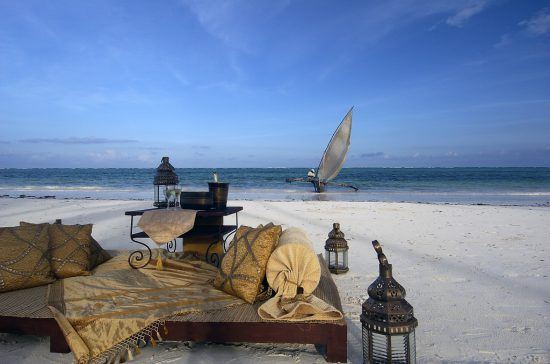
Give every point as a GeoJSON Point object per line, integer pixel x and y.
{"type": "Point", "coordinates": [110, 314]}
{"type": "Point", "coordinates": [164, 225]}
{"type": "Point", "coordinates": [293, 271]}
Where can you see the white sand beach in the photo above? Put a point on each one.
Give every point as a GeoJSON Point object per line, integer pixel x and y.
{"type": "Point", "coordinates": [477, 276]}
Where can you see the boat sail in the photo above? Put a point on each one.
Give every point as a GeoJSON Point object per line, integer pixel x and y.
{"type": "Point", "coordinates": [333, 158]}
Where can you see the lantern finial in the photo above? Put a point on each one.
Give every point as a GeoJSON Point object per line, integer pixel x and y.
{"type": "Point", "coordinates": [384, 266]}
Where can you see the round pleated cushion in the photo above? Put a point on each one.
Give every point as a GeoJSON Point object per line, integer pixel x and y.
{"type": "Point", "coordinates": [293, 265]}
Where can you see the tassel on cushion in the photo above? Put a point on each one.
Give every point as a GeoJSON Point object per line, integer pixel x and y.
{"type": "Point", "coordinates": [159, 337]}
{"type": "Point", "coordinates": [137, 350]}
{"type": "Point", "coordinates": [165, 330]}
{"type": "Point", "coordinates": [153, 342]}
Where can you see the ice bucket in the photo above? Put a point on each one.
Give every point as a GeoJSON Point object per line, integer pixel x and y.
{"type": "Point", "coordinates": [219, 190]}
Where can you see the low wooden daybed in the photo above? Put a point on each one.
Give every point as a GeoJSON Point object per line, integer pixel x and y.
{"type": "Point", "coordinates": [25, 312]}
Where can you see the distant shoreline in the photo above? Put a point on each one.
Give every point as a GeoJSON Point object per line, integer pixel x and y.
{"type": "Point", "coordinates": [87, 198]}
{"type": "Point", "coordinates": [465, 186]}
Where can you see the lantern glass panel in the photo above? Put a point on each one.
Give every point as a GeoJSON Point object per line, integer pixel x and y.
{"type": "Point", "coordinates": [332, 259]}
{"type": "Point", "coordinates": [157, 195]}
{"type": "Point", "coordinates": [345, 258]}
{"type": "Point", "coordinates": [399, 348]}
{"type": "Point", "coordinates": [379, 348]}
{"type": "Point", "coordinates": [366, 344]}
{"type": "Point", "coordinates": [375, 347]}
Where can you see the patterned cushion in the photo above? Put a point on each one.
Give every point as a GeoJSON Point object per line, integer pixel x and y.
{"type": "Point", "coordinates": [242, 269]}
{"type": "Point", "coordinates": [97, 254]}
{"type": "Point", "coordinates": [70, 249]}
{"type": "Point", "coordinates": [24, 261]}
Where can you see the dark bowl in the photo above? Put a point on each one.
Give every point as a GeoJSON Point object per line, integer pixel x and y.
{"type": "Point", "coordinates": [196, 200]}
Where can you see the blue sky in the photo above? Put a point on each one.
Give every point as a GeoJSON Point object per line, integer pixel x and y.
{"type": "Point", "coordinates": [265, 83]}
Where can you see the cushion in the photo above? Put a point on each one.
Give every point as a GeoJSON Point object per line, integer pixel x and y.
{"type": "Point", "coordinates": [70, 249]}
{"type": "Point", "coordinates": [98, 255]}
{"type": "Point", "coordinates": [24, 261]}
{"type": "Point", "coordinates": [242, 269]}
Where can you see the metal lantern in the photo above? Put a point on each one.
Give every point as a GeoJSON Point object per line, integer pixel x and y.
{"type": "Point", "coordinates": [336, 251]}
{"type": "Point", "coordinates": [387, 318]}
{"type": "Point", "coordinates": [165, 178]}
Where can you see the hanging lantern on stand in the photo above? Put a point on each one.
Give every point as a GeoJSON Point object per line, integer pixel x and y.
{"type": "Point", "coordinates": [336, 251]}
{"type": "Point", "coordinates": [165, 178]}
{"type": "Point", "coordinates": [387, 318]}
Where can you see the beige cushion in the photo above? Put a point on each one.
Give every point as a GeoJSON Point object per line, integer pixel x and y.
{"type": "Point", "coordinates": [24, 260]}
{"type": "Point", "coordinates": [98, 255]}
{"type": "Point", "coordinates": [70, 249]}
{"type": "Point", "coordinates": [242, 269]}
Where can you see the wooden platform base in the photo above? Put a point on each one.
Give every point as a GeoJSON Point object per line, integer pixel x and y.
{"type": "Point", "coordinates": [330, 339]}
{"type": "Point", "coordinates": [25, 312]}
{"type": "Point", "coordinates": [38, 327]}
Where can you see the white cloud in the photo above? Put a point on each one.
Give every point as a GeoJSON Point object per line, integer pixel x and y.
{"type": "Point", "coordinates": [380, 18]}
{"type": "Point", "coordinates": [228, 21]}
{"type": "Point", "coordinates": [74, 140]}
{"type": "Point", "coordinates": [107, 155]}
{"type": "Point", "coordinates": [539, 24]}
{"type": "Point", "coordinates": [463, 15]}
{"type": "Point", "coordinates": [505, 40]}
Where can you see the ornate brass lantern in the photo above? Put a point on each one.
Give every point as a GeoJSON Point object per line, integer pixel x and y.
{"type": "Point", "coordinates": [387, 318]}
{"type": "Point", "coordinates": [336, 251]}
{"type": "Point", "coordinates": [165, 178]}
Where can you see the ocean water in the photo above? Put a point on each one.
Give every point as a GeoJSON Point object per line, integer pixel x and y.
{"type": "Point", "coordinates": [494, 186]}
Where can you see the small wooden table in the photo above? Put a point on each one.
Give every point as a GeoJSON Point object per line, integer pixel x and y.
{"type": "Point", "coordinates": [208, 224]}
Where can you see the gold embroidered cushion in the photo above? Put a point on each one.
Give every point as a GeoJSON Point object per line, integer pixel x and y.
{"type": "Point", "coordinates": [242, 269]}
{"type": "Point", "coordinates": [24, 260]}
{"type": "Point", "coordinates": [70, 249]}
{"type": "Point", "coordinates": [98, 255]}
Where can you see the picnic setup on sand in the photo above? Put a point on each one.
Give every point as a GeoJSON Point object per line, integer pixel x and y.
{"type": "Point", "coordinates": [225, 283]}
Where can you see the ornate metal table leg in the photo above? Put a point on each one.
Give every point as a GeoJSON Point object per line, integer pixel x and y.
{"type": "Point", "coordinates": [224, 246]}
{"type": "Point", "coordinates": [137, 258]}
{"type": "Point", "coordinates": [172, 246]}
{"type": "Point", "coordinates": [213, 258]}
{"type": "Point", "coordinates": [225, 240]}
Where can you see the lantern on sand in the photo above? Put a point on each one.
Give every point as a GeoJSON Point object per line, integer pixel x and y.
{"type": "Point", "coordinates": [336, 251]}
{"type": "Point", "coordinates": [387, 318]}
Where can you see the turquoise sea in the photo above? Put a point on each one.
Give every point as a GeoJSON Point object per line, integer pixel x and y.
{"type": "Point", "coordinates": [495, 186]}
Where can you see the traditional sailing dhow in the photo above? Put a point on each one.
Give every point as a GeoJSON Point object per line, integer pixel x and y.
{"type": "Point", "coordinates": [333, 159]}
